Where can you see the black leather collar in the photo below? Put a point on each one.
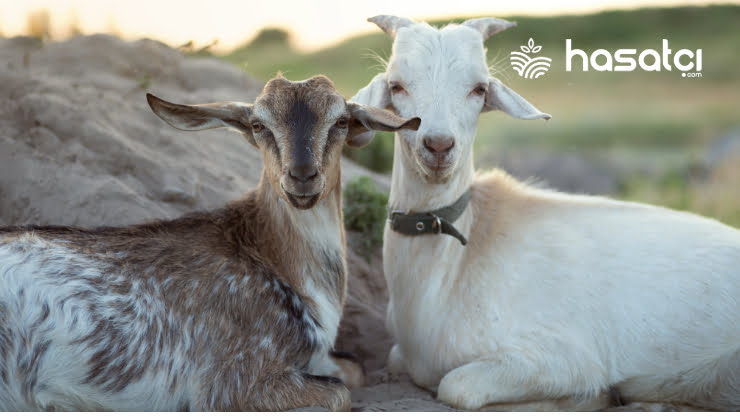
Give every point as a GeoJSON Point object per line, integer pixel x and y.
{"type": "Point", "coordinates": [435, 221]}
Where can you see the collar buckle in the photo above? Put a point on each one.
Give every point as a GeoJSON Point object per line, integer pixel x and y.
{"type": "Point", "coordinates": [436, 221]}
{"type": "Point", "coordinates": [436, 224]}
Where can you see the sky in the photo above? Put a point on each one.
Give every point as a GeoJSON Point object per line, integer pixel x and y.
{"type": "Point", "coordinates": [317, 23]}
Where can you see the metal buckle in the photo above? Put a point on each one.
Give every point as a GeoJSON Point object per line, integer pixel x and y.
{"type": "Point", "coordinates": [437, 224]}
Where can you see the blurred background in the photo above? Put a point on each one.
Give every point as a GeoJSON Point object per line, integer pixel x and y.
{"type": "Point", "coordinates": [647, 136]}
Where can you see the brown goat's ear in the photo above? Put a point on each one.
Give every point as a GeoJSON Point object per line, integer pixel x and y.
{"type": "Point", "coordinates": [365, 120]}
{"type": "Point", "coordinates": [234, 115]}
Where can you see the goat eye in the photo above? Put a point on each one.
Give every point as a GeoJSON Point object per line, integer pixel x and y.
{"type": "Point", "coordinates": [257, 127]}
{"type": "Point", "coordinates": [397, 88]}
{"type": "Point", "coordinates": [479, 90]}
{"type": "Point", "coordinates": [342, 123]}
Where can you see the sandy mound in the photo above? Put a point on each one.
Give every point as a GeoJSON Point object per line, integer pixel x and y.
{"type": "Point", "coordinates": [79, 145]}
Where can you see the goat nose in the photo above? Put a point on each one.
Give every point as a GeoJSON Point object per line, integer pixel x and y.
{"type": "Point", "coordinates": [439, 144]}
{"type": "Point", "coordinates": [303, 173]}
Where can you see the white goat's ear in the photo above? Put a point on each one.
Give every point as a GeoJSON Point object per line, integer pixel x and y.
{"type": "Point", "coordinates": [234, 115]}
{"type": "Point", "coordinates": [390, 24]}
{"type": "Point", "coordinates": [489, 26]}
{"type": "Point", "coordinates": [375, 94]}
{"type": "Point", "coordinates": [365, 120]}
{"type": "Point", "coordinates": [501, 98]}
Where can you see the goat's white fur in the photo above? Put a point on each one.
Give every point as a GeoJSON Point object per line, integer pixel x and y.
{"type": "Point", "coordinates": [556, 295]}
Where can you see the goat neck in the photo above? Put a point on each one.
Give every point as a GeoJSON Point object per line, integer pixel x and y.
{"type": "Point", "coordinates": [294, 240]}
{"type": "Point", "coordinates": [410, 192]}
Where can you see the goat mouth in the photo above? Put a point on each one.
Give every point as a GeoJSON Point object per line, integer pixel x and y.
{"type": "Point", "coordinates": [435, 164]}
{"type": "Point", "coordinates": [436, 167]}
{"type": "Point", "coordinates": [301, 201]}
{"type": "Point", "coordinates": [435, 172]}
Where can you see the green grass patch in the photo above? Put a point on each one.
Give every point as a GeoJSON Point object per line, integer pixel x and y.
{"type": "Point", "coordinates": [677, 189]}
{"type": "Point", "coordinates": [377, 156]}
{"type": "Point", "coordinates": [365, 212]}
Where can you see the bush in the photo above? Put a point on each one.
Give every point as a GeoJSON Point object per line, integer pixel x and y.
{"type": "Point", "coordinates": [365, 212]}
{"type": "Point", "coordinates": [377, 156]}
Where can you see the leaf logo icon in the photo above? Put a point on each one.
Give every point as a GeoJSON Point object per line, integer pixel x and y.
{"type": "Point", "coordinates": [530, 47]}
{"type": "Point", "coordinates": [530, 67]}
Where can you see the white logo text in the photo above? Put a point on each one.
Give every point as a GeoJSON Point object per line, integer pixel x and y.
{"type": "Point", "coordinates": [648, 60]}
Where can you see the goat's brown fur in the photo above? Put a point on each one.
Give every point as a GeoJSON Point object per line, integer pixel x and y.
{"type": "Point", "coordinates": [224, 306]}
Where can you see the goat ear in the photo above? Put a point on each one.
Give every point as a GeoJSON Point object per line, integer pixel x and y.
{"type": "Point", "coordinates": [488, 26]}
{"type": "Point", "coordinates": [390, 24]}
{"type": "Point", "coordinates": [365, 120]}
{"type": "Point", "coordinates": [501, 98]}
{"type": "Point", "coordinates": [232, 115]}
{"type": "Point", "coordinates": [375, 94]}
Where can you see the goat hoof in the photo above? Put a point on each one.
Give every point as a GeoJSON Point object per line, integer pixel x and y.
{"type": "Point", "coordinates": [349, 369]}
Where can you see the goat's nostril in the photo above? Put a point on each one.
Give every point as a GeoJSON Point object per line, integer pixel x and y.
{"type": "Point", "coordinates": [303, 173]}
{"type": "Point", "coordinates": [439, 144]}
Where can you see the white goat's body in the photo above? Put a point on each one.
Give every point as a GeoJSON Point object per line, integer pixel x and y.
{"type": "Point", "coordinates": [571, 295]}
{"type": "Point", "coordinates": [556, 298]}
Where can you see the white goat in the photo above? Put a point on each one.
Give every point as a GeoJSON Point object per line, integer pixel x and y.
{"type": "Point", "coordinates": [556, 298]}
{"type": "Point", "coordinates": [231, 309]}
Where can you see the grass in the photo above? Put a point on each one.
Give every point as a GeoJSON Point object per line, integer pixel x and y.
{"type": "Point", "coordinates": [377, 156]}
{"type": "Point", "coordinates": [365, 212]}
{"type": "Point", "coordinates": [677, 189]}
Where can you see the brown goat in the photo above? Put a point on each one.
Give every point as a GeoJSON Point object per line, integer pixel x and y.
{"type": "Point", "coordinates": [231, 309]}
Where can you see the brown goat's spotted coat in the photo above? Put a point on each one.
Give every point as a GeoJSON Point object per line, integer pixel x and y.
{"type": "Point", "coordinates": [219, 254]}
{"type": "Point", "coordinates": [231, 309]}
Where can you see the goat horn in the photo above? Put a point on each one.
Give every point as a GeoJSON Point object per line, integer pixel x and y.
{"type": "Point", "coordinates": [390, 24]}
{"type": "Point", "coordinates": [489, 26]}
